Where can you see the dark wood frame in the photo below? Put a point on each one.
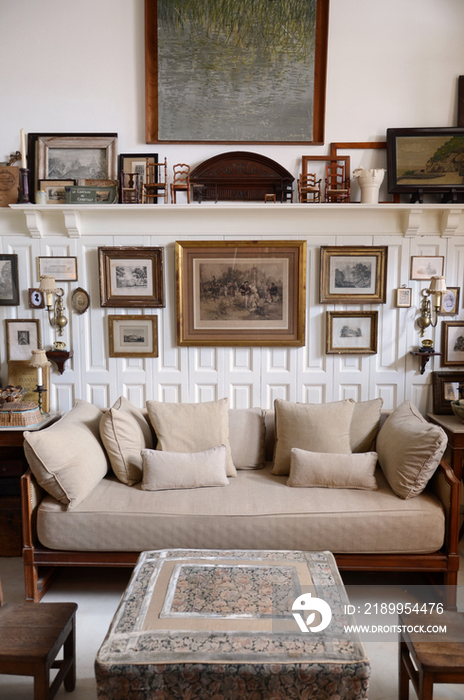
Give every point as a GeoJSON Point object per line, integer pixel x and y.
{"type": "Point", "coordinates": [367, 350]}
{"type": "Point", "coordinates": [108, 253]}
{"type": "Point", "coordinates": [380, 294]}
{"type": "Point", "coordinates": [394, 185]}
{"type": "Point", "coordinates": [14, 300]}
{"type": "Point", "coordinates": [151, 76]}
{"type": "Point", "coordinates": [442, 406]}
{"type": "Point", "coordinates": [445, 327]}
{"type": "Point", "coordinates": [147, 157]}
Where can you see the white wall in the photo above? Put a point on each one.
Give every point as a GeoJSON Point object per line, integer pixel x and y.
{"type": "Point", "coordinates": [77, 67]}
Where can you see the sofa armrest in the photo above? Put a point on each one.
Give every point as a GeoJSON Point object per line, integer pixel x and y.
{"type": "Point", "coordinates": [447, 487]}
{"type": "Point", "coordinates": [31, 496]}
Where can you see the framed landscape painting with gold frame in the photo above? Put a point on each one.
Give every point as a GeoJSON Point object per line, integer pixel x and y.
{"type": "Point", "coordinates": [21, 373]}
{"type": "Point", "coordinates": [241, 292]}
{"type": "Point", "coordinates": [353, 274]}
{"type": "Point", "coordinates": [133, 336]}
{"type": "Point", "coordinates": [131, 276]}
{"type": "Point", "coordinates": [352, 332]}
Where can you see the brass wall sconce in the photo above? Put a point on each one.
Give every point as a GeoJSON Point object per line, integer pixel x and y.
{"type": "Point", "coordinates": [55, 307]}
{"type": "Point", "coordinates": [436, 290]}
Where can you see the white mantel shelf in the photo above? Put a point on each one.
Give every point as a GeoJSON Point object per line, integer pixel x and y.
{"type": "Point", "coordinates": [233, 219]}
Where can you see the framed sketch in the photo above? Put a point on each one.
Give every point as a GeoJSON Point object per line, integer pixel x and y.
{"type": "Point", "coordinates": [255, 49]}
{"type": "Point", "coordinates": [72, 156]}
{"type": "Point", "coordinates": [21, 373]}
{"type": "Point", "coordinates": [351, 333]}
{"type": "Point", "coordinates": [447, 387]}
{"type": "Point", "coordinates": [131, 276]}
{"type": "Point", "coordinates": [22, 336]}
{"type": "Point", "coordinates": [61, 267]}
{"type": "Point", "coordinates": [9, 281]}
{"type": "Point", "coordinates": [450, 302]}
{"type": "Point", "coordinates": [428, 160]}
{"type": "Point", "coordinates": [452, 343]}
{"type": "Point", "coordinates": [133, 336]}
{"type": "Point", "coordinates": [241, 292]}
{"type": "Point", "coordinates": [353, 274]}
{"type": "Point", "coordinates": [55, 189]}
{"type": "Point", "coordinates": [424, 267]}
{"type": "Point", "coordinates": [403, 297]}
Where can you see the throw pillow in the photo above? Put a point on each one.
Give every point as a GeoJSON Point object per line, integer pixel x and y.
{"type": "Point", "coordinates": [183, 470]}
{"type": "Point", "coordinates": [68, 459]}
{"type": "Point", "coordinates": [125, 432]}
{"type": "Point", "coordinates": [332, 471]}
{"type": "Point", "coordinates": [365, 425]}
{"type": "Point", "coordinates": [410, 450]}
{"type": "Point", "coordinates": [322, 427]}
{"type": "Point", "coordinates": [247, 432]}
{"type": "Point", "coordinates": [192, 427]}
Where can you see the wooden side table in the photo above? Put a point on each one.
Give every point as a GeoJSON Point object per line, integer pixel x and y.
{"type": "Point", "coordinates": [428, 658]}
{"type": "Point", "coordinates": [12, 465]}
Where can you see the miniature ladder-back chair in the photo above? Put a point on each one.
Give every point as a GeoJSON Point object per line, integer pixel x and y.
{"type": "Point", "coordinates": [181, 181]}
{"type": "Point", "coordinates": [156, 184]}
{"type": "Point", "coordinates": [31, 635]}
{"type": "Point", "coordinates": [337, 187]}
{"type": "Point", "coordinates": [309, 189]}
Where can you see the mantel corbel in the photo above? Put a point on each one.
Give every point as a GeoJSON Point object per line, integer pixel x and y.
{"type": "Point", "coordinates": [450, 222]}
{"type": "Point", "coordinates": [412, 222]}
{"type": "Point", "coordinates": [34, 223]}
{"type": "Point", "coordinates": [72, 222]}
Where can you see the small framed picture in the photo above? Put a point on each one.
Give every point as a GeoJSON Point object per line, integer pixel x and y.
{"type": "Point", "coordinates": [424, 267]}
{"type": "Point", "coordinates": [22, 336]}
{"type": "Point", "coordinates": [62, 268]}
{"type": "Point", "coordinates": [447, 386]}
{"type": "Point", "coordinates": [452, 340]}
{"type": "Point", "coordinates": [403, 297]}
{"type": "Point", "coordinates": [9, 282]}
{"type": "Point", "coordinates": [131, 276]}
{"type": "Point", "coordinates": [450, 302]}
{"type": "Point", "coordinates": [36, 299]}
{"type": "Point", "coordinates": [352, 332]}
{"type": "Point", "coordinates": [133, 336]}
{"type": "Point", "coordinates": [55, 190]}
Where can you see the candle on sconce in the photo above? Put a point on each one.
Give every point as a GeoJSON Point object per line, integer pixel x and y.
{"type": "Point", "coordinates": [39, 376]}
{"type": "Point", "coordinates": [23, 149]}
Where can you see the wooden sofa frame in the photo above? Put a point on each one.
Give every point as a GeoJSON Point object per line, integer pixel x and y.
{"type": "Point", "coordinates": [40, 563]}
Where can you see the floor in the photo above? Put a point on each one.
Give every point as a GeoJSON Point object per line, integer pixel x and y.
{"type": "Point", "coordinates": [97, 592]}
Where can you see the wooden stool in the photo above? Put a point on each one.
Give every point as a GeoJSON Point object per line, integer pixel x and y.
{"type": "Point", "coordinates": [439, 658]}
{"type": "Point", "coordinates": [269, 198]}
{"type": "Point", "coordinates": [31, 635]}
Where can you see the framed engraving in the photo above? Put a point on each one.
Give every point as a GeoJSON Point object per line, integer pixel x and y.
{"type": "Point", "coordinates": [62, 268]}
{"type": "Point", "coordinates": [22, 336]}
{"type": "Point", "coordinates": [353, 274]}
{"type": "Point", "coordinates": [424, 267]}
{"type": "Point", "coordinates": [9, 281]}
{"type": "Point", "coordinates": [351, 333]}
{"type": "Point", "coordinates": [133, 336]}
{"type": "Point", "coordinates": [131, 276]}
{"type": "Point", "coordinates": [447, 387]}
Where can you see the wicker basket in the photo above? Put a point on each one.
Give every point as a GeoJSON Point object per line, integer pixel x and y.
{"type": "Point", "coordinates": [19, 414]}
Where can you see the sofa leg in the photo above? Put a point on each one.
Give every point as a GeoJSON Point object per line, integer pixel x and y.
{"type": "Point", "coordinates": [451, 582]}
{"type": "Point", "coordinates": [31, 578]}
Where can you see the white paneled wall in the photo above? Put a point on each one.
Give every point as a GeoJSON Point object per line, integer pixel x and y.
{"type": "Point", "coordinates": [249, 376]}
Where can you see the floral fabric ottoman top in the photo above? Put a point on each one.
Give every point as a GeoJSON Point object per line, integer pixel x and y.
{"type": "Point", "coordinates": [221, 625]}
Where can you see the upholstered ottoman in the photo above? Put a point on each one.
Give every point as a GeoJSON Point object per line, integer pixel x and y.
{"type": "Point", "coordinates": [207, 624]}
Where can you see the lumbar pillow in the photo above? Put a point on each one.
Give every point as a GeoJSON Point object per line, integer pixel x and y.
{"type": "Point", "coordinates": [365, 425]}
{"type": "Point", "coordinates": [410, 450]}
{"type": "Point", "coordinates": [246, 435]}
{"type": "Point", "coordinates": [192, 427]}
{"type": "Point", "coordinates": [321, 427]}
{"type": "Point", "coordinates": [183, 470]}
{"type": "Point", "coordinates": [68, 459]}
{"type": "Point", "coordinates": [332, 471]}
{"type": "Point", "coordinates": [125, 432]}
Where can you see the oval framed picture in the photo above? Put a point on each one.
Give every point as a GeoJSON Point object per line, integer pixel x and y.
{"type": "Point", "coordinates": [450, 302]}
{"type": "Point", "coordinates": [80, 300]}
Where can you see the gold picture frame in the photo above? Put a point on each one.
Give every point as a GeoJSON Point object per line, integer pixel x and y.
{"type": "Point", "coordinates": [131, 276]}
{"type": "Point", "coordinates": [133, 336]}
{"type": "Point", "coordinates": [232, 293]}
{"type": "Point", "coordinates": [452, 343]}
{"type": "Point", "coordinates": [21, 373]}
{"type": "Point", "coordinates": [353, 274]}
{"type": "Point", "coordinates": [449, 302]}
{"type": "Point", "coordinates": [403, 297]}
{"type": "Point", "coordinates": [351, 332]}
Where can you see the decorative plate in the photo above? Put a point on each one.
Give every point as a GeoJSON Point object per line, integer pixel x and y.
{"type": "Point", "coordinates": [80, 300]}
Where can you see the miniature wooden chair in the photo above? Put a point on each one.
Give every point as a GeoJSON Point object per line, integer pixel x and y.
{"type": "Point", "coordinates": [156, 184]}
{"type": "Point", "coordinates": [130, 188]}
{"type": "Point", "coordinates": [181, 181]}
{"type": "Point", "coordinates": [31, 635]}
{"type": "Point", "coordinates": [337, 187]}
{"type": "Point", "coordinates": [309, 189]}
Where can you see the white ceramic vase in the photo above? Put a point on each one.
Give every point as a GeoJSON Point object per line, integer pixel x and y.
{"type": "Point", "coordinates": [369, 182]}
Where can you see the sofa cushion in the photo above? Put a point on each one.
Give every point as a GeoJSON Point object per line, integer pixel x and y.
{"type": "Point", "coordinates": [192, 427]}
{"type": "Point", "coordinates": [365, 425]}
{"type": "Point", "coordinates": [247, 432]}
{"type": "Point", "coordinates": [184, 470]}
{"type": "Point", "coordinates": [323, 427]}
{"type": "Point", "coordinates": [333, 471]}
{"type": "Point", "coordinates": [125, 433]}
{"type": "Point", "coordinates": [68, 458]}
{"type": "Point", "coordinates": [409, 450]}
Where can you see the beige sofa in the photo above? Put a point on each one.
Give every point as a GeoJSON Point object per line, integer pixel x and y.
{"type": "Point", "coordinates": [305, 477]}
